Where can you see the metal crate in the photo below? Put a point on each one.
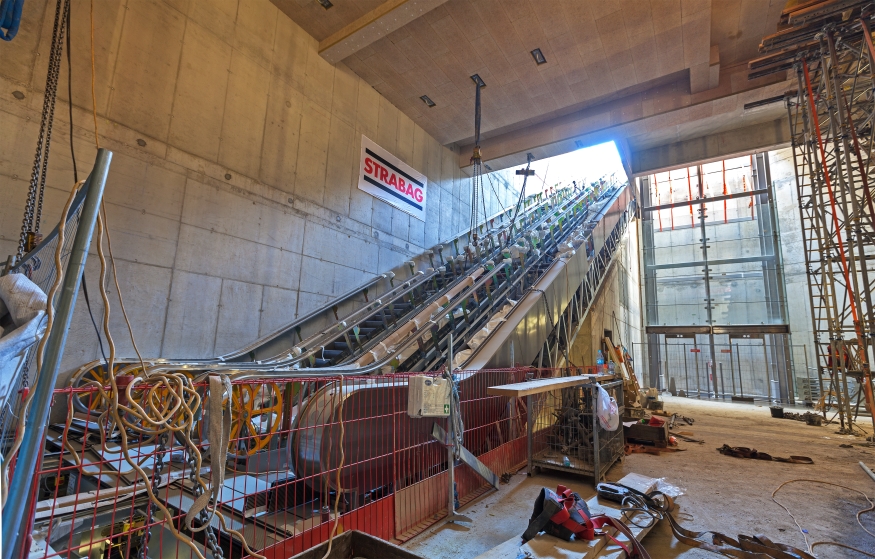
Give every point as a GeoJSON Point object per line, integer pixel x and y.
{"type": "Point", "coordinates": [565, 434]}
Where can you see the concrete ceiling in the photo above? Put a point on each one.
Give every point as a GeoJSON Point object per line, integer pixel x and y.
{"type": "Point", "coordinates": [597, 52]}
{"type": "Point", "coordinates": [321, 23]}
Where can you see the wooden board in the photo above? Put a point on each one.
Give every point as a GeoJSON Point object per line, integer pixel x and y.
{"type": "Point", "coordinates": [549, 547]}
{"type": "Point", "coordinates": [539, 386]}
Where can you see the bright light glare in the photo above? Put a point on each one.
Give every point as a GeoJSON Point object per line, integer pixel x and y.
{"type": "Point", "coordinates": [584, 165]}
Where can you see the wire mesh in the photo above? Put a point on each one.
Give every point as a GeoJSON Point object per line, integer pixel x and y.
{"type": "Point", "coordinates": [567, 435]}
{"type": "Point", "coordinates": [282, 469]}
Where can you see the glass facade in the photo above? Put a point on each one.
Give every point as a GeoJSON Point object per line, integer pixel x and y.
{"type": "Point", "coordinates": [713, 276]}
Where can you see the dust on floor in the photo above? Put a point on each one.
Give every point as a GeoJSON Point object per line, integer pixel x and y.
{"type": "Point", "coordinates": [722, 493]}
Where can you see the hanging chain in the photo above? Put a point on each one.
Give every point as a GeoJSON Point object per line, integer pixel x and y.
{"type": "Point", "coordinates": [476, 161]}
{"type": "Point", "coordinates": [203, 517]}
{"type": "Point", "coordinates": [33, 209]}
{"type": "Point", "coordinates": [156, 483]}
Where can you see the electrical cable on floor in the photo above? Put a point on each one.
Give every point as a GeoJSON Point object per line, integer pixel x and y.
{"type": "Point", "coordinates": [804, 533]}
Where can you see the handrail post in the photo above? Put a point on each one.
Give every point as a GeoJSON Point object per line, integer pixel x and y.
{"type": "Point", "coordinates": [16, 519]}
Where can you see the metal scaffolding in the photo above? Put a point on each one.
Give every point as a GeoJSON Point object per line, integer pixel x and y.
{"type": "Point", "coordinates": [827, 48]}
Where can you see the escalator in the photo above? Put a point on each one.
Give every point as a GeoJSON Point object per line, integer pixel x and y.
{"type": "Point", "coordinates": [492, 267]}
{"type": "Point", "coordinates": [516, 294]}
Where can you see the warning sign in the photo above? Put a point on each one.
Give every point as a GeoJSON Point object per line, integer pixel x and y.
{"type": "Point", "coordinates": [386, 177]}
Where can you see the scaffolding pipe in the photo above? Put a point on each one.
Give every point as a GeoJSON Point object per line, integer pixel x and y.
{"type": "Point", "coordinates": [15, 514]}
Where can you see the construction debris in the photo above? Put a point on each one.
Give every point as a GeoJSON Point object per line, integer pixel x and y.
{"type": "Point", "coordinates": [752, 453]}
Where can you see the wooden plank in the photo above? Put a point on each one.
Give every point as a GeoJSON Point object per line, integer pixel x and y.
{"type": "Point", "coordinates": [519, 389]}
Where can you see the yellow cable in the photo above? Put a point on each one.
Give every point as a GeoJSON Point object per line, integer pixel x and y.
{"type": "Point", "coordinates": [167, 385]}
{"type": "Point", "coordinates": [93, 95]}
{"type": "Point", "coordinates": [339, 468]}
{"type": "Point", "coordinates": [118, 288]}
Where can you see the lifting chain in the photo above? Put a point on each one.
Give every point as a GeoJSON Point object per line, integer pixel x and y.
{"type": "Point", "coordinates": [476, 161]}
{"type": "Point", "coordinates": [33, 210]}
{"type": "Point", "coordinates": [203, 517]}
{"type": "Point", "coordinates": [156, 483]}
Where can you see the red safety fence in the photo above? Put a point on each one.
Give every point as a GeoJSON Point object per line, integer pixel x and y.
{"type": "Point", "coordinates": [282, 470]}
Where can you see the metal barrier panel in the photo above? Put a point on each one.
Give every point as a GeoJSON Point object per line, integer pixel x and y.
{"type": "Point", "coordinates": [751, 368]}
{"type": "Point", "coordinates": [298, 447]}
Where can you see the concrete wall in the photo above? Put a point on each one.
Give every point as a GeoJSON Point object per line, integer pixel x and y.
{"type": "Point", "coordinates": [617, 307]}
{"type": "Point", "coordinates": [232, 197]}
{"type": "Point", "coordinates": [792, 251]}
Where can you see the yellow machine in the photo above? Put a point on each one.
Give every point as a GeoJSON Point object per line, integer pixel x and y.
{"type": "Point", "coordinates": [630, 381]}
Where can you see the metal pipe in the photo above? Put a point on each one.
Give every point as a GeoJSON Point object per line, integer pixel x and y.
{"type": "Point", "coordinates": [451, 435]}
{"type": "Point", "coordinates": [731, 370]}
{"type": "Point", "coordinates": [686, 371]}
{"type": "Point", "coordinates": [738, 360]}
{"type": "Point", "coordinates": [867, 470]}
{"type": "Point", "coordinates": [15, 520]}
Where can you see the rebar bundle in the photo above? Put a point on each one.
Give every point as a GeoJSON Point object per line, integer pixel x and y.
{"type": "Point", "coordinates": [826, 47]}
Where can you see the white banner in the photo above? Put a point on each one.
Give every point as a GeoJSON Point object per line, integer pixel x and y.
{"type": "Point", "coordinates": [386, 177]}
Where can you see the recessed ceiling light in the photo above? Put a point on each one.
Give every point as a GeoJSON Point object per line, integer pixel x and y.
{"type": "Point", "coordinates": [478, 80]}
{"type": "Point", "coordinates": [326, 4]}
{"type": "Point", "coordinates": [427, 100]}
{"type": "Point", "coordinates": [539, 56]}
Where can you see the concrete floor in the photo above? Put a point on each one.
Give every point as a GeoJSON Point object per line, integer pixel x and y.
{"type": "Point", "coordinates": [722, 493]}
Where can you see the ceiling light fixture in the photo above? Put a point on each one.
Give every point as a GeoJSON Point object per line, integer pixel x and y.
{"type": "Point", "coordinates": [539, 57]}
{"type": "Point", "coordinates": [326, 4]}
{"type": "Point", "coordinates": [478, 80]}
{"type": "Point", "coordinates": [427, 100]}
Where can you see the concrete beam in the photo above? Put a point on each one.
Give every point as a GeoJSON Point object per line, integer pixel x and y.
{"type": "Point", "coordinates": [374, 25]}
{"type": "Point", "coordinates": [659, 116]}
{"type": "Point", "coordinates": [732, 143]}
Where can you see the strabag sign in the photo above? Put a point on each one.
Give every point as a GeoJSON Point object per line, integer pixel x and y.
{"type": "Point", "coordinates": [384, 176]}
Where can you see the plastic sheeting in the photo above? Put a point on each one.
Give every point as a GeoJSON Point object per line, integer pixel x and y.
{"type": "Point", "coordinates": [25, 303]}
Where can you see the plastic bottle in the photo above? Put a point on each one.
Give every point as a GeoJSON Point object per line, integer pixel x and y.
{"type": "Point", "coordinates": [566, 462]}
{"type": "Point", "coordinates": [600, 362]}
{"type": "Point", "coordinates": [611, 367]}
